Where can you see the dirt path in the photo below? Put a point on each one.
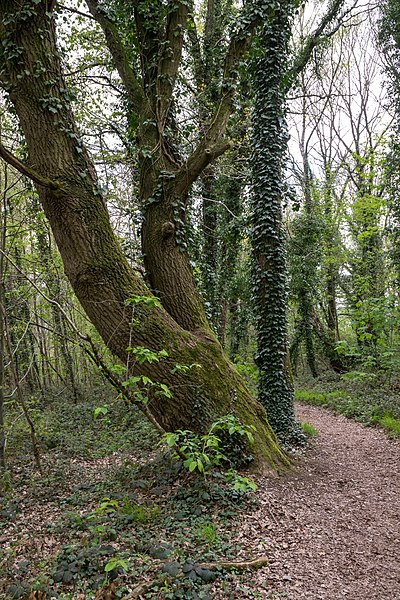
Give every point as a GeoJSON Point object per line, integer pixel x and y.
{"type": "Point", "coordinates": [332, 529]}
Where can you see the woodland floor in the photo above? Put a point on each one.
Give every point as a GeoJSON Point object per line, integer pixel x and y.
{"type": "Point", "coordinates": [330, 529]}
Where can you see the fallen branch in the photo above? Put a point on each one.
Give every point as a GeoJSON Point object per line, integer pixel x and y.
{"type": "Point", "coordinates": [228, 565]}
{"type": "Point", "coordinates": [256, 563]}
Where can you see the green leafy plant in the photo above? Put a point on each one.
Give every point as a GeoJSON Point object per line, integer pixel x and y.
{"type": "Point", "coordinates": [149, 301]}
{"type": "Point", "coordinates": [239, 482]}
{"type": "Point", "coordinates": [115, 563]}
{"type": "Point", "coordinates": [184, 368]}
{"type": "Point", "coordinates": [231, 424]}
{"type": "Point", "coordinates": [207, 532]}
{"type": "Point", "coordinates": [143, 354]}
{"type": "Point", "coordinates": [202, 453]}
{"type": "Point", "coordinates": [140, 513]}
{"type": "Point", "coordinates": [100, 411]}
{"type": "Point", "coordinates": [107, 506]}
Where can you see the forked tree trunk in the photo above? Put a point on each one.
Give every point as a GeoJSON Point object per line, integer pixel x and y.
{"type": "Point", "coordinates": [93, 260]}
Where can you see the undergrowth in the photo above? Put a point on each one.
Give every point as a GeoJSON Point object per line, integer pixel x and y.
{"type": "Point", "coordinates": [110, 512]}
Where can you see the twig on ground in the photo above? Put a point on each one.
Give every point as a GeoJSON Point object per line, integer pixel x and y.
{"type": "Point", "coordinates": [228, 565]}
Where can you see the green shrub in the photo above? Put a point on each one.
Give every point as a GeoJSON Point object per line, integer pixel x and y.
{"type": "Point", "coordinates": [224, 446]}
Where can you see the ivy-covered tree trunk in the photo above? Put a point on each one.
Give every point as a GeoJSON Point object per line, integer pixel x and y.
{"type": "Point", "coordinates": [304, 248]}
{"type": "Point", "coordinates": [268, 235]}
{"type": "Point", "coordinates": [368, 262]}
{"type": "Point", "coordinates": [231, 233]}
{"type": "Point", "coordinates": [389, 34]}
{"type": "Point", "coordinates": [94, 263]}
{"type": "Point", "coordinates": [332, 244]}
{"type": "Point", "coordinates": [209, 262]}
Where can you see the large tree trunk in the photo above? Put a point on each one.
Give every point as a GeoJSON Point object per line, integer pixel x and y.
{"type": "Point", "coordinates": [2, 332]}
{"type": "Point", "coordinates": [93, 260]}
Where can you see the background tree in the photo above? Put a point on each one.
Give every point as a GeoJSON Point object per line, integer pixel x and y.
{"type": "Point", "coordinates": [342, 128]}
{"type": "Point", "coordinates": [268, 239]}
{"type": "Point", "coordinates": [274, 76]}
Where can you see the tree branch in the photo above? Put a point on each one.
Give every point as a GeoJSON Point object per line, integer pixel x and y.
{"type": "Point", "coordinates": [255, 563]}
{"type": "Point", "coordinates": [25, 170]}
{"type": "Point", "coordinates": [197, 56]}
{"type": "Point", "coordinates": [202, 156]}
{"type": "Point", "coordinates": [212, 144]}
{"type": "Point", "coordinates": [132, 86]}
{"type": "Point", "coordinates": [171, 58]}
{"type": "Point", "coordinates": [75, 11]}
{"type": "Point", "coordinates": [315, 38]}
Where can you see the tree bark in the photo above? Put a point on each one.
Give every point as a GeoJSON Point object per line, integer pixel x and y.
{"type": "Point", "coordinates": [3, 222]}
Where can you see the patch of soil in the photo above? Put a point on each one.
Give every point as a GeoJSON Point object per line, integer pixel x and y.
{"type": "Point", "coordinates": [331, 528]}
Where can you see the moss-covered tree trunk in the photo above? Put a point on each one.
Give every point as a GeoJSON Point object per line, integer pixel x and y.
{"type": "Point", "coordinates": [93, 260]}
{"type": "Point", "coordinates": [2, 333]}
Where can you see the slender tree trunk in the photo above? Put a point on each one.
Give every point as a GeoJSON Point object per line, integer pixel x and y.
{"type": "Point", "coordinates": [235, 329]}
{"type": "Point", "coordinates": [223, 317]}
{"type": "Point", "coordinates": [2, 378]}
{"type": "Point", "coordinates": [53, 283]}
{"type": "Point", "coordinates": [332, 316]}
{"type": "Point", "coordinates": [306, 292]}
{"type": "Point", "coordinates": [15, 380]}
{"type": "Point", "coordinates": [209, 263]}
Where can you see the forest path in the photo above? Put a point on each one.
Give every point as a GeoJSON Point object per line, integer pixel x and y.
{"type": "Point", "coordinates": [331, 529]}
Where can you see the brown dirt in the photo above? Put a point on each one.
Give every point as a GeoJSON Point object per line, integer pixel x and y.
{"type": "Point", "coordinates": [331, 528]}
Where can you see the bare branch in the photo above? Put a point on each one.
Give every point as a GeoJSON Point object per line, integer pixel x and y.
{"type": "Point", "coordinates": [27, 171]}
{"type": "Point", "coordinates": [75, 11]}
{"type": "Point", "coordinates": [212, 144]}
